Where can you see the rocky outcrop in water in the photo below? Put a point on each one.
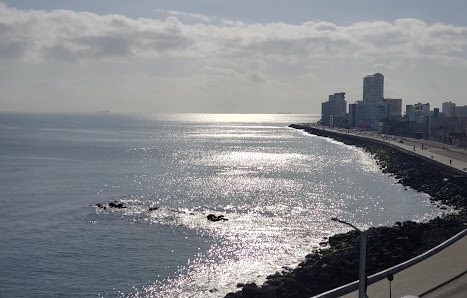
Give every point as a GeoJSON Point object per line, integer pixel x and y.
{"type": "Point", "coordinates": [117, 205]}
{"type": "Point", "coordinates": [114, 204]}
{"type": "Point", "coordinates": [213, 217]}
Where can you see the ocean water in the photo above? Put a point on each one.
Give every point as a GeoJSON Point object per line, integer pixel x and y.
{"type": "Point", "coordinates": [278, 187]}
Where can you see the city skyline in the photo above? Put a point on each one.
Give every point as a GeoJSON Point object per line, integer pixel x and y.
{"type": "Point", "coordinates": [374, 108]}
{"type": "Point", "coordinates": [178, 56]}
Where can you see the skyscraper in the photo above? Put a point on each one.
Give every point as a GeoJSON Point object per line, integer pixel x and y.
{"type": "Point", "coordinates": [373, 87]}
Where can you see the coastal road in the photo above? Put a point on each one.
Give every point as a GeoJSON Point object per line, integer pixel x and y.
{"type": "Point", "coordinates": [433, 277]}
{"type": "Point", "coordinates": [448, 155]}
{"type": "Point", "coordinates": [452, 156]}
{"type": "Point", "coordinates": [445, 273]}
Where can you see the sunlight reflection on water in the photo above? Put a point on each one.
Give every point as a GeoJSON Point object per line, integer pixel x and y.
{"type": "Point", "coordinates": [278, 188]}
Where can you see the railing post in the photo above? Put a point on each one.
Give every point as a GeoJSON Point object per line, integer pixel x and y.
{"type": "Point", "coordinates": [362, 275]}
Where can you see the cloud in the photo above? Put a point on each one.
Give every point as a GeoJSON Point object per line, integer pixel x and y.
{"type": "Point", "coordinates": [256, 78]}
{"type": "Point", "coordinates": [200, 59]}
{"type": "Point", "coordinates": [188, 16]}
{"type": "Point", "coordinates": [72, 36]}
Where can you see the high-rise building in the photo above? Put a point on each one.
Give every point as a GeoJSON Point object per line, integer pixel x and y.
{"type": "Point", "coordinates": [366, 113]}
{"type": "Point", "coordinates": [449, 109]}
{"type": "Point", "coordinates": [373, 87]}
{"type": "Point", "coordinates": [461, 111]}
{"type": "Point", "coordinates": [418, 112]}
{"type": "Point", "coordinates": [336, 106]}
{"type": "Point", "coordinates": [353, 113]}
{"type": "Point", "coordinates": [374, 107]}
{"type": "Point", "coordinates": [396, 106]}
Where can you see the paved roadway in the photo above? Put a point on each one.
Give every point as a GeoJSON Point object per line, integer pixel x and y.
{"type": "Point", "coordinates": [455, 157]}
{"type": "Point", "coordinates": [435, 276]}
{"type": "Point", "coordinates": [449, 155]}
{"type": "Point", "coordinates": [456, 289]}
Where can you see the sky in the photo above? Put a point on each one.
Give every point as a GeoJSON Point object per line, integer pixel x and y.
{"type": "Point", "coordinates": [222, 56]}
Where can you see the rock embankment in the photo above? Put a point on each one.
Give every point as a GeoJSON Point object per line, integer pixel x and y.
{"type": "Point", "coordinates": [387, 246]}
{"type": "Point", "coordinates": [444, 184]}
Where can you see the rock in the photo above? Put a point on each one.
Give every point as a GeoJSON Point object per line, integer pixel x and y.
{"type": "Point", "coordinates": [250, 290]}
{"type": "Point", "coordinates": [310, 257]}
{"type": "Point", "coordinates": [118, 206]}
{"type": "Point", "coordinates": [212, 217]}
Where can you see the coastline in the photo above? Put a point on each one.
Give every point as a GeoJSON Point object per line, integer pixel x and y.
{"type": "Point", "coordinates": [387, 246]}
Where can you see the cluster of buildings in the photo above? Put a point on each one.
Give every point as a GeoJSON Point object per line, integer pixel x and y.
{"type": "Point", "coordinates": [374, 112]}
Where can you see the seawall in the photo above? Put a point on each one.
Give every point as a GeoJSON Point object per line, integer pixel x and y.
{"type": "Point", "coordinates": [361, 141]}
{"type": "Point", "coordinates": [387, 246]}
{"type": "Point", "coordinates": [443, 183]}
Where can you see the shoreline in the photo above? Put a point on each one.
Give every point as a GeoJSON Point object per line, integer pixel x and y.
{"type": "Point", "coordinates": [387, 246]}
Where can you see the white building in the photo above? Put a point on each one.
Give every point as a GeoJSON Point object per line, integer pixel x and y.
{"type": "Point", "coordinates": [373, 87]}
{"type": "Point", "coordinates": [449, 109]}
{"type": "Point", "coordinates": [335, 107]}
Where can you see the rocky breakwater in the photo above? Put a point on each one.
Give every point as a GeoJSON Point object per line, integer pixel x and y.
{"type": "Point", "coordinates": [387, 246]}
{"type": "Point", "coordinates": [443, 183]}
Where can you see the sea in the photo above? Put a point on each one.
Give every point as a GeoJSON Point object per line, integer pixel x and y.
{"type": "Point", "coordinates": [277, 188]}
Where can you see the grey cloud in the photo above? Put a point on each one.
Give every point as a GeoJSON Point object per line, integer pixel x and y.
{"type": "Point", "coordinates": [324, 26]}
{"type": "Point", "coordinates": [256, 78]}
{"type": "Point", "coordinates": [87, 47]}
{"type": "Point", "coordinates": [164, 43]}
{"type": "Point", "coordinates": [59, 52]}
{"type": "Point", "coordinates": [446, 31]}
{"type": "Point", "coordinates": [12, 49]}
{"type": "Point", "coordinates": [70, 36]}
{"type": "Point", "coordinates": [11, 45]}
{"type": "Point", "coordinates": [303, 47]}
{"type": "Point", "coordinates": [194, 16]}
{"type": "Point", "coordinates": [381, 67]}
{"type": "Point", "coordinates": [102, 46]}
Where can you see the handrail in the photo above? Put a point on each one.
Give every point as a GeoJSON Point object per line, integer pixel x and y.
{"type": "Point", "coordinates": [353, 286]}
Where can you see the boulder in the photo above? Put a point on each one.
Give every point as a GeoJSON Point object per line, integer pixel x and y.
{"type": "Point", "coordinates": [213, 217]}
